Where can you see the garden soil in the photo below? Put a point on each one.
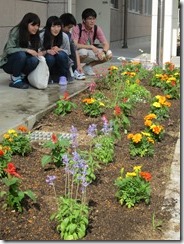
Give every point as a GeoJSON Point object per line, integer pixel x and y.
{"type": "Point", "coordinates": [108, 220]}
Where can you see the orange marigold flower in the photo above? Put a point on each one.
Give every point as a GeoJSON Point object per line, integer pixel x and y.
{"type": "Point", "coordinates": [129, 136]}
{"type": "Point", "coordinates": [146, 175]}
{"type": "Point", "coordinates": [156, 129]}
{"type": "Point", "coordinates": [22, 128]}
{"type": "Point", "coordinates": [150, 116]}
{"type": "Point", "coordinates": [137, 138]}
{"type": "Point", "coordinates": [12, 170]}
{"type": "Point", "coordinates": [148, 123]}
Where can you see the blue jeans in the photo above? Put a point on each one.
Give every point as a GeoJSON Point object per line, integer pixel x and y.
{"type": "Point", "coordinates": [20, 62]}
{"type": "Point", "coordinates": [58, 64]}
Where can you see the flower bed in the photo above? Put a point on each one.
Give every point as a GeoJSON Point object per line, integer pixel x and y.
{"type": "Point", "coordinates": [112, 128]}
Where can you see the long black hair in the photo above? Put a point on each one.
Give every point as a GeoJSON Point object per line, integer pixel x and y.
{"type": "Point", "coordinates": [49, 40]}
{"type": "Point", "coordinates": [24, 36]}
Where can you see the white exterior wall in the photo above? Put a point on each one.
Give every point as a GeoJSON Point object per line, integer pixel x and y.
{"type": "Point", "coordinates": [170, 30]}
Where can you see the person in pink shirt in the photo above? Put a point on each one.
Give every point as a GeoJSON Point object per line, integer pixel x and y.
{"type": "Point", "coordinates": [84, 38]}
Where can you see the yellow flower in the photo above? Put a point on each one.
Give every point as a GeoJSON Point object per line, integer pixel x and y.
{"type": "Point", "coordinates": [148, 123]}
{"type": "Point", "coordinates": [157, 97]}
{"type": "Point", "coordinates": [124, 73]}
{"type": "Point", "coordinates": [113, 67]}
{"type": "Point", "coordinates": [130, 174]}
{"type": "Point", "coordinates": [150, 116]}
{"type": "Point", "coordinates": [132, 74]}
{"type": "Point", "coordinates": [11, 131]}
{"type": "Point", "coordinates": [157, 105]}
{"type": "Point", "coordinates": [145, 133]}
{"type": "Point", "coordinates": [6, 136]}
{"type": "Point", "coordinates": [172, 78]}
{"type": "Point", "coordinates": [101, 104]}
{"type": "Point", "coordinates": [129, 136]}
{"type": "Point", "coordinates": [158, 75]}
{"type": "Point", "coordinates": [137, 168]}
{"type": "Point", "coordinates": [150, 140]}
{"type": "Point", "coordinates": [137, 138]}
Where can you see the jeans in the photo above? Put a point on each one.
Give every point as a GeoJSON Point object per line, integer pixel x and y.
{"type": "Point", "coordinates": [20, 63]}
{"type": "Point", "coordinates": [58, 64]}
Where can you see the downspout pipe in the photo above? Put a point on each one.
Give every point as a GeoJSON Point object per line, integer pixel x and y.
{"type": "Point", "coordinates": [125, 25]}
{"type": "Point", "coordinates": [160, 32]}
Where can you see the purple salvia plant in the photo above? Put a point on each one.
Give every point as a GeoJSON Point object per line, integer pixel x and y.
{"type": "Point", "coordinates": [50, 179]}
{"type": "Point", "coordinates": [107, 127]}
{"type": "Point", "coordinates": [74, 136]}
{"type": "Point", "coordinates": [92, 130]}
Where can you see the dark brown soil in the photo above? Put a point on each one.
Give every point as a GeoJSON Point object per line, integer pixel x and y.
{"type": "Point", "coordinates": [108, 220]}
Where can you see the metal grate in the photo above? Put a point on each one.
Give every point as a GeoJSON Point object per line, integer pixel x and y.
{"type": "Point", "coordinates": [46, 136]}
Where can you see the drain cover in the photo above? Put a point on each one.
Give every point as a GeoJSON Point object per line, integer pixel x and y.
{"type": "Point", "coordinates": [46, 136]}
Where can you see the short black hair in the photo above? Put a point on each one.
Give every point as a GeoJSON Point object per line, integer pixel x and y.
{"type": "Point", "coordinates": [68, 19]}
{"type": "Point", "coordinates": [89, 12]}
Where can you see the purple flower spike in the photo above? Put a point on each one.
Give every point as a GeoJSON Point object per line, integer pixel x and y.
{"type": "Point", "coordinates": [50, 179]}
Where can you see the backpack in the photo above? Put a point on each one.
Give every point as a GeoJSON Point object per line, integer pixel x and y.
{"type": "Point", "coordinates": [80, 31]}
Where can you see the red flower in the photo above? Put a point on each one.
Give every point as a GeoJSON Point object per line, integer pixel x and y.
{"type": "Point", "coordinates": [23, 128]}
{"type": "Point", "coordinates": [146, 175]}
{"type": "Point", "coordinates": [12, 170]}
{"type": "Point", "coordinates": [117, 110]}
{"type": "Point", "coordinates": [1, 153]}
{"type": "Point", "coordinates": [173, 83]}
{"type": "Point", "coordinates": [66, 96]}
{"type": "Point", "coordinates": [54, 138]}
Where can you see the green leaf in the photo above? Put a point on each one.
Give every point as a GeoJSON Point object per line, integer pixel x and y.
{"type": "Point", "coordinates": [31, 195]}
{"type": "Point", "coordinates": [46, 159]}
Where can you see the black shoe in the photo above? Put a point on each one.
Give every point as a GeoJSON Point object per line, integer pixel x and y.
{"type": "Point", "coordinates": [19, 84]}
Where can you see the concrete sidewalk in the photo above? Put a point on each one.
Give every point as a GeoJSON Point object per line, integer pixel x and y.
{"type": "Point", "coordinates": [26, 107]}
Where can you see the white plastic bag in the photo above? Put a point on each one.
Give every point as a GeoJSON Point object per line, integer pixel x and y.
{"type": "Point", "coordinates": [39, 77]}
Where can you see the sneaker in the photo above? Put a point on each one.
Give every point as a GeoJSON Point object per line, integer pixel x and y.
{"type": "Point", "coordinates": [88, 70]}
{"type": "Point", "coordinates": [79, 76]}
{"type": "Point", "coordinates": [18, 83]}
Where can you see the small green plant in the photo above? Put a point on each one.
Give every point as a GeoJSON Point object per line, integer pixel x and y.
{"type": "Point", "coordinates": [141, 144]}
{"type": "Point", "coordinates": [93, 107]}
{"type": "Point", "coordinates": [72, 210]}
{"type": "Point", "coordinates": [119, 122]}
{"type": "Point", "coordinates": [160, 107]}
{"type": "Point", "coordinates": [5, 158]}
{"type": "Point", "coordinates": [64, 105]}
{"type": "Point", "coordinates": [168, 79]}
{"type": "Point", "coordinates": [134, 187]}
{"type": "Point", "coordinates": [18, 141]}
{"type": "Point", "coordinates": [58, 147]}
{"type": "Point", "coordinates": [14, 196]}
{"type": "Point", "coordinates": [104, 148]}
{"type": "Point", "coordinates": [156, 224]}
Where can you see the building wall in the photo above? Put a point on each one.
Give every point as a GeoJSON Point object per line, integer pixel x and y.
{"type": "Point", "coordinates": [110, 19]}
{"type": "Point", "coordinates": [12, 11]}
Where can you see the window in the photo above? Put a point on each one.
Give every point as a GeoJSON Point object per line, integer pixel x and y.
{"type": "Point", "coordinates": [134, 6]}
{"type": "Point", "coordinates": [148, 7]}
{"type": "Point", "coordinates": [114, 3]}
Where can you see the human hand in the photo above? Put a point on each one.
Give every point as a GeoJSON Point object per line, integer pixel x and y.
{"type": "Point", "coordinates": [32, 52]}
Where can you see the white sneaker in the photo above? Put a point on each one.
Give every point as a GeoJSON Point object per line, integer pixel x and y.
{"type": "Point", "coordinates": [79, 76]}
{"type": "Point", "coordinates": [88, 70]}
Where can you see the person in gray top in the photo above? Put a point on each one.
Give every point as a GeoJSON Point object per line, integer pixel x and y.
{"type": "Point", "coordinates": [55, 46]}
{"type": "Point", "coordinates": [20, 53]}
